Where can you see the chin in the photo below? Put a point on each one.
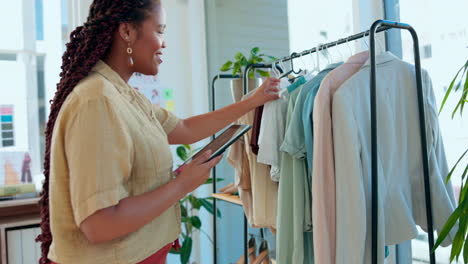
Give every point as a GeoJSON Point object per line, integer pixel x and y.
{"type": "Point", "coordinates": [151, 70]}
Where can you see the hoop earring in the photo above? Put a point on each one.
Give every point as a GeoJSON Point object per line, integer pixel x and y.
{"type": "Point", "coordinates": [129, 52]}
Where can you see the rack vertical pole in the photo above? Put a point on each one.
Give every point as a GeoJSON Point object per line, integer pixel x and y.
{"type": "Point", "coordinates": [213, 170]}
{"type": "Point", "coordinates": [422, 123]}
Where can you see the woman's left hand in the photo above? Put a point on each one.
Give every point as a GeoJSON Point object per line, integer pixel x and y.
{"type": "Point", "coordinates": [268, 91]}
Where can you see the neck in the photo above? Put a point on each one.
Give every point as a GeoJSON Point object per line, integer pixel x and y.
{"type": "Point", "coordinates": [119, 64]}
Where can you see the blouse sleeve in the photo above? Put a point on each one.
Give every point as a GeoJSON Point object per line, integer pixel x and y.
{"type": "Point", "coordinates": [99, 153]}
{"type": "Point", "coordinates": [167, 119]}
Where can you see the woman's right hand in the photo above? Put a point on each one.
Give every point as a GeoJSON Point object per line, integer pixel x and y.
{"type": "Point", "coordinates": [197, 171]}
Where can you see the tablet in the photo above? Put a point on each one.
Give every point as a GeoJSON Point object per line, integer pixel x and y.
{"type": "Point", "coordinates": [221, 142]}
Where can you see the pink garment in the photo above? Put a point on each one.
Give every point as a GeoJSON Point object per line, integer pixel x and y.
{"type": "Point", "coordinates": [323, 170]}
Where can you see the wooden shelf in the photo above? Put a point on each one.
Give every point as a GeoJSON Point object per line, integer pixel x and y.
{"type": "Point", "coordinates": [23, 220]}
{"type": "Point", "coordinates": [19, 207]}
{"type": "Point", "coordinates": [19, 202]}
{"type": "Point", "coordinates": [234, 199]}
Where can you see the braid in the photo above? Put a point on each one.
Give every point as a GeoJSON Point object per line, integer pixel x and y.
{"type": "Point", "coordinates": [88, 44]}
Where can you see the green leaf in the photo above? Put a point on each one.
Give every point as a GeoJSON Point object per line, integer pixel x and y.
{"type": "Point", "coordinates": [195, 202]}
{"type": "Point", "coordinates": [173, 251]}
{"type": "Point", "coordinates": [183, 210]}
{"type": "Point", "coordinates": [465, 93]}
{"type": "Point", "coordinates": [251, 75]}
{"type": "Point", "coordinates": [458, 241]}
{"type": "Point", "coordinates": [209, 207]}
{"type": "Point", "coordinates": [263, 73]}
{"type": "Point", "coordinates": [226, 67]}
{"type": "Point", "coordinates": [196, 222]}
{"type": "Point", "coordinates": [465, 172]}
{"type": "Point", "coordinates": [454, 166]}
{"type": "Point", "coordinates": [456, 108]}
{"type": "Point", "coordinates": [465, 252]}
{"type": "Point", "coordinates": [239, 56]}
{"type": "Point", "coordinates": [182, 153]}
{"type": "Point", "coordinates": [210, 180]}
{"type": "Point", "coordinates": [187, 146]}
{"type": "Point", "coordinates": [244, 62]}
{"type": "Point", "coordinates": [186, 250]}
{"type": "Point", "coordinates": [448, 226]}
{"type": "Point", "coordinates": [449, 90]}
{"type": "Point", "coordinates": [254, 51]}
{"type": "Point", "coordinates": [237, 68]}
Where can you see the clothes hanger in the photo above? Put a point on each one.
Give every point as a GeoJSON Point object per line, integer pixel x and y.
{"type": "Point", "coordinates": [339, 52]}
{"type": "Point", "coordinates": [275, 69]}
{"type": "Point", "coordinates": [292, 67]}
{"type": "Point", "coordinates": [292, 64]}
{"type": "Point", "coordinates": [349, 47]}
{"type": "Point", "coordinates": [317, 53]}
{"type": "Point", "coordinates": [306, 73]}
{"type": "Point", "coordinates": [329, 55]}
{"type": "Point", "coordinates": [364, 39]}
{"type": "Point", "coordinates": [380, 44]}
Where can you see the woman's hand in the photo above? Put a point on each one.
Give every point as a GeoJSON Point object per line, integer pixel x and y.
{"type": "Point", "coordinates": [268, 91]}
{"type": "Point", "coordinates": [197, 171]}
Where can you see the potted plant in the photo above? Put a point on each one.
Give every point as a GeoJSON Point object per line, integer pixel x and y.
{"type": "Point", "coordinates": [460, 214]}
{"type": "Point", "coordinates": [190, 206]}
{"type": "Point", "coordinates": [237, 66]}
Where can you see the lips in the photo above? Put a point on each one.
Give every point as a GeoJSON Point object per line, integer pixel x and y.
{"type": "Point", "coordinates": [158, 57]}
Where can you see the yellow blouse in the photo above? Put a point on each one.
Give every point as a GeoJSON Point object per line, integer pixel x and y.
{"type": "Point", "coordinates": [108, 143]}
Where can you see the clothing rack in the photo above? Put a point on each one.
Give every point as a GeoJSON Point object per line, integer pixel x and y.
{"type": "Point", "coordinates": [377, 26]}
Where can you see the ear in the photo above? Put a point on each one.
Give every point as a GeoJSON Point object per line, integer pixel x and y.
{"type": "Point", "coordinates": [127, 32]}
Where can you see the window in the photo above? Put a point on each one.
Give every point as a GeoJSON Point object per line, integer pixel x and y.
{"type": "Point", "coordinates": [6, 126]}
{"type": "Point", "coordinates": [39, 20]}
{"type": "Point", "coordinates": [443, 51]}
{"type": "Point", "coordinates": [309, 28]}
{"type": "Point", "coordinates": [7, 57]}
{"type": "Point", "coordinates": [427, 52]}
{"type": "Point", "coordinates": [28, 75]}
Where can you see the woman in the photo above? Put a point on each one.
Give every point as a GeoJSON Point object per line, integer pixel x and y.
{"type": "Point", "coordinates": [109, 194]}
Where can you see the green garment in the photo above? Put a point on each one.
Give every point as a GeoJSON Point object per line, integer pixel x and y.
{"type": "Point", "coordinates": [291, 239]}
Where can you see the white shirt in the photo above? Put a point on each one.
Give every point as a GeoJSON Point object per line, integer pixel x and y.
{"type": "Point", "coordinates": [401, 186]}
{"type": "Point", "coordinates": [272, 129]}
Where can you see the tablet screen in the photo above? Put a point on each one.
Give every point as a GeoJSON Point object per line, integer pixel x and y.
{"type": "Point", "coordinates": [223, 141]}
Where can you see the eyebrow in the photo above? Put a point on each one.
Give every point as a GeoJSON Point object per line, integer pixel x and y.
{"type": "Point", "coordinates": [162, 26]}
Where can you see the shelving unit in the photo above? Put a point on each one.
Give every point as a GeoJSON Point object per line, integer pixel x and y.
{"type": "Point", "coordinates": [234, 199]}
{"type": "Point", "coordinates": [16, 214]}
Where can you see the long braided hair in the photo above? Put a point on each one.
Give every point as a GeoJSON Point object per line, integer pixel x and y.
{"type": "Point", "coordinates": [88, 44]}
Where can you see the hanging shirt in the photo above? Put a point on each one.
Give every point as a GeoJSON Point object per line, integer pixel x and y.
{"type": "Point", "coordinates": [401, 187]}
{"type": "Point", "coordinates": [291, 202]}
{"type": "Point", "coordinates": [306, 116]}
{"type": "Point", "coordinates": [272, 129]}
{"type": "Point", "coordinates": [256, 129]}
{"type": "Point", "coordinates": [262, 198]}
{"type": "Point", "coordinates": [237, 158]}
{"type": "Point", "coordinates": [323, 171]}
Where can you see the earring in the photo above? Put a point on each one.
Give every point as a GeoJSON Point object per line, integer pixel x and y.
{"type": "Point", "coordinates": [130, 51]}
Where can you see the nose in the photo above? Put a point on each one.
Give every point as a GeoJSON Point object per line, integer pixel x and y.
{"type": "Point", "coordinates": [163, 45]}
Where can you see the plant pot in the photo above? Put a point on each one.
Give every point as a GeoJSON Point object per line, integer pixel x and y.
{"type": "Point", "coordinates": [237, 87]}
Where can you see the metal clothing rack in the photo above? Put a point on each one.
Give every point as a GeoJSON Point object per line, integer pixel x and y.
{"type": "Point", "coordinates": [377, 26]}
